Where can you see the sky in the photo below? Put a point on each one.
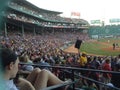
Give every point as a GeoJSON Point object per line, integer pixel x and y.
{"type": "Point", "coordinates": [88, 9]}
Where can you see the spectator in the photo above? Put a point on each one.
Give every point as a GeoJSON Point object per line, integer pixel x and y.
{"type": "Point", "coordinates": [116, 77]}
{"type": "Point", "coordinates": [36, 80]}
{"type": "Point", "coordinates": [83, 60]}
{"type": "Point", "coordinates": [106, 66]}
{"type": "Point", "coordinates": [95, 63]}
{"type": "Point", "coordinates": [25, 59]}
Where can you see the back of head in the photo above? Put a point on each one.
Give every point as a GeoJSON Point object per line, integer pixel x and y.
{"type": "Point", "coordinates": [117, 67]}
{"type": "Point", "coordinates": [119, 56]}
{"type": "Point", "coordinates": [6, 57]}
{"type": "Point", "coordinates": [107, 60]}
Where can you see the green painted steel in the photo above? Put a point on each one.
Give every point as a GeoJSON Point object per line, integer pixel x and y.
{"type": "Point", "coordinates": [104, 30]}
{"type": "Point", "coordinates": [3, 4]}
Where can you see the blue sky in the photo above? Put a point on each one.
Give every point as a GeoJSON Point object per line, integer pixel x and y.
{"type": "Point", "coordinates": [89, 9]}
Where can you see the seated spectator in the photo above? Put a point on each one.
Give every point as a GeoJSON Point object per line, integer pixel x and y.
{"type": "Point", "coordinates": [94, 76]}
{"type": "Point", "coordinates": [116, 77]}
{"type": "Point", "coordinates": [95, 63]}
{"type": "Point", "coordinates": [42, 63]}
{"type": "Point", "coordinates": [88, 88]}
{"type": "Point", "coordinates": [25, 59]}
{"type": "Point", "coordinates": [36, 80]}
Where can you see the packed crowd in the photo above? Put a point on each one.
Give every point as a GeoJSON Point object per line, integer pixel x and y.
{"type": "Point", "coordinates": [45, 50]}
{"type": "Point", "coordinates": [107, 63]}
{"type": "Point", "coordinates": [35, 49]}
{"type": "Point", "coordinates": [37, 45]}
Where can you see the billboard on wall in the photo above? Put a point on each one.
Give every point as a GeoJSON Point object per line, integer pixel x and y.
{"type": "Point", "coordinates": [114, 20]}
{"type": "Point", "coordinates": [95, 21]}
{"type": "Point", "coordinates": [75, 14]}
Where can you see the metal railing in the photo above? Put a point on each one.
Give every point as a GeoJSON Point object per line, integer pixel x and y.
{"type": "Point", "coordinates": [71, 70]}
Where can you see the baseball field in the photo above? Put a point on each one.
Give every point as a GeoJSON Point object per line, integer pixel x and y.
{"type": "Point", "coordinates": [98, 47]}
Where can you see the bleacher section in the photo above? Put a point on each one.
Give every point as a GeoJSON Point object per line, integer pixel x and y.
{"type": "Point", "coordinates": [105, 31]}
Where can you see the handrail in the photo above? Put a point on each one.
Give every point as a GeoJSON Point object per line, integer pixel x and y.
{"type": "Point", "coordinates": [115, 88]}
{"type": "Point", "coordinates": [58, 86]}
{"type": "Point", "coordinates": [73, 75]}
{"type": "Point", "coordinates": [72, 68]}
{"type": "Point", "coordinates": [93, 80]}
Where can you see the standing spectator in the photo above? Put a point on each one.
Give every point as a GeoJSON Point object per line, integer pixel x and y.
{"type": "Point", "coordinates": [107, 67]}
{"type": "Point", "coordinates": [83, 64]}
{"type": "Point", "coordinates": [83, 60]}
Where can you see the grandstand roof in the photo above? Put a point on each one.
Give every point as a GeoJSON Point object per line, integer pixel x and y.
{"type": "Point", "coordinates": [35, 7]}
{"type": "Point", "coordinates": [84, 21]}
{"type": "Point", "coordinates": [32, 7]}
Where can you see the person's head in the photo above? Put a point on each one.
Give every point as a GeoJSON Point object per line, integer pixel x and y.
{"type": "Point", "coordinates": [84, 54]}
{"type": "Point", "coordinates": [95, 58]}
{"type": "Point", "coordinates": [117, 67]}
{"type": "Point", "coordinates": [9, 62]}
{"type": "Point", "coordinates": [107, 60]}
{"type": "Point", "coordinates": [119, 56]}
{"type": "Point", "coordinates": [25, 58]}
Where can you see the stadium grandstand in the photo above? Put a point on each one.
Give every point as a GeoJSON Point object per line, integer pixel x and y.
{"type": "Point", "coordinates": [107, 31]}
{"type": "Point", "coordinates": [39, 38]}
{"type": "Point", "coordinates": [26, 14]}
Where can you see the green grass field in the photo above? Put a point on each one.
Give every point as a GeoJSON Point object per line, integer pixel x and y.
{"type": "Point", "coordinates": [101, 47]}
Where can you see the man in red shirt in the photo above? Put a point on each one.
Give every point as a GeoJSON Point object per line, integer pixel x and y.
{"type": "Point", "coordinates": [107, 76]}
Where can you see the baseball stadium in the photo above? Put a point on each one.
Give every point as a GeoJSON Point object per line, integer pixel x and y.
{"type": "Point", "coordinates": [41, 50]}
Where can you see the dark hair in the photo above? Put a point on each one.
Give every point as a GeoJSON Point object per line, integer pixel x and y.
{"type": "Point", "coordinates": [107, 60]}
{"type": "Point", "coordinates": [117, 66]}
{"type": "Point", "coordinates": [7, 56]}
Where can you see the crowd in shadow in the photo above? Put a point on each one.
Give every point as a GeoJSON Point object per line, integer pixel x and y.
{"type": "Point", "coordinates": [45, 50]}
